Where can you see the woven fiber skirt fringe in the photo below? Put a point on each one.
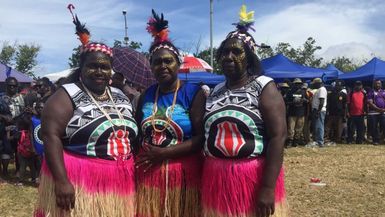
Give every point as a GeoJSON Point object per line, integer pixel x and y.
{"type": "Point", "coordinates": [102, 188]}
{"type": "Point", "coordinates": [171, 189]}
{"type": "Point", "coordinates": [230, 187]}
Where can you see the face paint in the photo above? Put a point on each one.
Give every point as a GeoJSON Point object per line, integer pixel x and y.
{"type": "Point", "coordinates": [96, 71]}
{"type": "Point", "coordinates": [165, 66]}
{"type": "Point", "coordinates": [233, 59]}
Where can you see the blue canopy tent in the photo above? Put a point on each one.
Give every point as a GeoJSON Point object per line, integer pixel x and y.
{"type": "Point", "coordinates": [205, 77]}
{"type": "Point", "coordinates": [333, 67]}
{"type": "Point", "coordinates": [6, 71]}
{"type": "Point", "coordinates": [280, 67]}
{"type": "Point", "coordinates": [374, 69]}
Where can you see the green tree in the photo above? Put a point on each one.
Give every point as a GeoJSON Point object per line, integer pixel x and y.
{"type": "Point", "coordinates": [287, 50]}
{"type": "Point", "coordinates": [25, 58]}
{"type": "Point", "coordinates": [73, 61]}
{"type": "Point", "coordinates": [205, 55]}
{"type": "Point", "coordinates": [265, 52]}
{"type": "Point", "coordinates": [132, 44]}
{"type": "Point", "coordinates": [344, 64]}
{"type": "Point", "coordinates": [306, 54]}
{"type": "Point", "coordinates": [7, 54]}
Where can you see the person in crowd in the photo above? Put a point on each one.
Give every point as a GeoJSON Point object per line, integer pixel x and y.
{"type": "Point", "coordinates": [171, 116]}
{"type": "Point", "coordinates": [284, 89]}
{"type": "Point", "coordinates": [357, 109]}
{"type": "Point", "coordinates": [44, 88]}
{"type": "Point", "coordinates": [88, 132]}
{"type": "Point", "coordinates": [12, 97]}
{"type": "Point", "coordinates": [245, 129]}
{"type": "Point", "coordinates": [60, 82]}
{"type": "Point", "coordinates": [36, 135]}
{"type": "Point", "coordinates": [16, 104]}
{"type": "Point", "coordinates": [119, 82]}
{"type": "Point", "coordinates": [318, 105]}
{"type": "Point", "coordinates": [5, 146]}
{"type": "Point", "coordinates": [376, 117]}
{"type": "Point", "coordinates": [307, 122]}
{"type": "Point", "coordinates": [297, 104]}
{"type": "Point", "coordinates": [25, 150]}
{"type": "Point", "coordinates": [337, 108]}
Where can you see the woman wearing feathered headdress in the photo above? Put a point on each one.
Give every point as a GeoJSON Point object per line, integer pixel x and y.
{"type": "Point", "coordinates": [245, 130]}
{"type": "Point", "coordinates": [171, 115]}
{"type": "Point", "coordinates": [88, 129]}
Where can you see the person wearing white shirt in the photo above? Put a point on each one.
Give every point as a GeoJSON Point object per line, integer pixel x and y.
{"type": "Point", "coordinates": [319, 111]}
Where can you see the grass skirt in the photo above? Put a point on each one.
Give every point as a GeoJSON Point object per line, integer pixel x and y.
{"type": "Point", "coordinates": [102, 188]}
{"type": "Point", "coordinates": [230, 187]}
{"type": "Point", "coordinates": [170, 189]}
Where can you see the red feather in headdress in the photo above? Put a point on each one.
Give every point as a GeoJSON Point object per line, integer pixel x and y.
{"type": "Point", "coordinates": [81, 30]}
{"type": "Point", "coordinates": [158, 28]}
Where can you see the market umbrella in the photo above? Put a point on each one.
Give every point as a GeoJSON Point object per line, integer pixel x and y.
{"type": "Point", "coordinates": [194, 64]}
{"type": "Point", "coordinates": [134, 66]}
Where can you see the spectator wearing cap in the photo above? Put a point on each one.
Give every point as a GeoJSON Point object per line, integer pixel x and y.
{"type": "Point", "coordinates": [296, 103]}
{"type": "Point", "coordinates": [337, 110]}
{"type": "Point", "coordinates": [284, 88]}
{"type": "Point", "coordinates": [357, 108]}
{"type": "Point", "coordinates": [318, 106]}
{"type": "Point", "coordinates": [376, 117]}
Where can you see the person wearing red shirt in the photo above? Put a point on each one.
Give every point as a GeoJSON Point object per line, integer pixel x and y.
{"type": "Point", "coordinates": [356, 112]}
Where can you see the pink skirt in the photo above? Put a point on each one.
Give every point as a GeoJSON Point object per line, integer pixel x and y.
{"type": "Point", "coordinates": [230, 187]}
{"type": "Point", "coordinates": [102, 188]}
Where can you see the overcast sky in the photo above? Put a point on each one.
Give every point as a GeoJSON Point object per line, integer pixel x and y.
{"type": "Point", "coordinates": [352, 28]}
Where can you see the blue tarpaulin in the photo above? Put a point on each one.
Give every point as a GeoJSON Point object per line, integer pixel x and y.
{"type": "Point", "coordinates": [333, 67]}
{"type": "Point", "coordinates": [204, 77]}
{"type": "Point", "coordinates": [374, 69]}
{"type": "Point", "coordinates": [280, 67]}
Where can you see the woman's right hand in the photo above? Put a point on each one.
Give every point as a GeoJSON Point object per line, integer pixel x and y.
{"type": "Point", "coordinates": [65, 195]}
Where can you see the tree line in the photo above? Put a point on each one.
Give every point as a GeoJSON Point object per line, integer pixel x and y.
{"type": "Point", "coordinates": [23, 57]}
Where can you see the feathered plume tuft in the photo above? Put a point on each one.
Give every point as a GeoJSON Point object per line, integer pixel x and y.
{"type": "Point", "coordinates": [81, 30]}
{"type": "Point", "coordinates": [158, 28]}
{"type": "Point", "coordinates": [246, 20]}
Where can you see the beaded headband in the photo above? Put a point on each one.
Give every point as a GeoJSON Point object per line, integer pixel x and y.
{"type": "Point", "coordinates": [246, 22]}
{"type": "Point", "coordinates": [84, 37]}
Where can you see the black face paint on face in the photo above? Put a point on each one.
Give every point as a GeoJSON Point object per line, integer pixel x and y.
{"type": "Point", "coordinates": [165, 66]}
{"type": "Point", "coordinates": [96, 71]}
{"type": "Point", "coordinates": [233, 59]}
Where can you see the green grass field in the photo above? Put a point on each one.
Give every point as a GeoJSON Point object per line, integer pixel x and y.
{"type": "Point", "coordinates": [354, 177]}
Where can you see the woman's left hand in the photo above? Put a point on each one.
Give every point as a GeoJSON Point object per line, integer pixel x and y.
{"type": "Point", "coordinates": [265, 202]}
{"type": "Point", "coordinates": [152, 156]}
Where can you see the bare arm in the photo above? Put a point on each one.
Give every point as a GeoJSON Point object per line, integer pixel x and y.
{"type": "Point", "coordinates": [273, 114]}
{"type": "Point", "coordinates": [55, 116]}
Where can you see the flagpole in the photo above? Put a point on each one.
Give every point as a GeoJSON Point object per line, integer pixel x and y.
{"type": "Point", "coordinates": [211, 35]}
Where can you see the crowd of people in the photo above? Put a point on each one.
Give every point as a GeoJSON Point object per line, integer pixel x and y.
{"type": "Point", "coordinates": [175, 148]}
{"type": "Point", "coordinates": [20, 112]}
{"type": "Point", "coordinates": [100, 147]}
{"type": "Point", "coordinates": [321, 115]}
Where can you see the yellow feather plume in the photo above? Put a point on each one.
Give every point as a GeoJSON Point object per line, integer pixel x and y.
{"type": "Point", "coordinates": [244, 16]}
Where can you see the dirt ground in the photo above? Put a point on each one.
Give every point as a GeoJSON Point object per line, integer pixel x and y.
{"type": "Point", "coordinates": [354, 177]}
